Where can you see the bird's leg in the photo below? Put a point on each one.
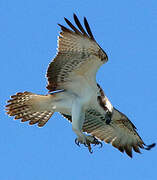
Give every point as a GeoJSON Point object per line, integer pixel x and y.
{"type": "Point", "coordinates": [89, 140]}
{"type": "Point", "coordinates": [92, 140]}
{"type": "Point", "coordinates": [78, 117]}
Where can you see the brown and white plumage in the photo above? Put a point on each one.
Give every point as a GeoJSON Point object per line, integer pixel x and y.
{"type": "Point", "coordinates": [120, 132]}
{"type": "Point", "coordinates": [78, 54]}
{"type": "Point", "coordinates": [77, 96]}
{"type": "Point", "coordinates": [26, 106]}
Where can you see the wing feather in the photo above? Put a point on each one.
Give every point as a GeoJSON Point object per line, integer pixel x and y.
{"type": "Point", "coordinates": [121, 132]}
{"type": "Point", "coordinates": [88, 29]}
{"type": "Point", "coordinates": [79, 25]}
{"type": "Point", "coordinates": [72, 26]}
{"type": "Point", "coordinates": [78, 53]}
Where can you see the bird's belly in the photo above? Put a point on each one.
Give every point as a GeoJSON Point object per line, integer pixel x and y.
{"type": "Point", "coordinates": [64, 100]}
{"type": "Point", "coordinates": [83, 88]}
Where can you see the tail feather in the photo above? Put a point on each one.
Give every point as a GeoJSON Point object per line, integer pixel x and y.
{"type": "Point", "coordinates": [30, 107]}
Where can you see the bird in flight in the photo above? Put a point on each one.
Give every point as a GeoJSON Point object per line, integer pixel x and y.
{"type": "Point", "coordinates": [75, 94]}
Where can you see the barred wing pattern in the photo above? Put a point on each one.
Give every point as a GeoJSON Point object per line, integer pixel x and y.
{"type": "Point", "coordinates": [121, 132]}
{"type": "Point", "coordinates": [77, 61]}
{"type": "Point", "coordinates": [22, 107]}
{"type": "Point", "coordinates": [77, 50]}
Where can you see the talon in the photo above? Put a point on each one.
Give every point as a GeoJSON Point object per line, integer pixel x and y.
{"type": "Point", "coordinates": [85, 145]}
{"type": "Point", "coordinates": [90, 149]}
{"type": "Point", "coordinates": [97, 142]}
{"type": "Point", "coordinates": [100, 144]}
{"type": "Point", "coordinates": [88, 142]}
{"type": "Point", "coordinates": [77, 142]}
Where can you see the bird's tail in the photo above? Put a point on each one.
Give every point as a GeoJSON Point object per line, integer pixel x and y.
{"type": "Point", "coordinates": [30, 107]}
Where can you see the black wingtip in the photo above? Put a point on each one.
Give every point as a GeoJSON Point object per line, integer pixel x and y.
{"type": "Point", "coordinates": [88, 29]}
{"type": "Point", "coordinates": [63, 28]}
{"type": "Point", "coordinates": [74, 15]}
{"type": "Point", "coordinates": [72, 26]}
{"type": "Point", "coordinates": [149, 147]}
{"type": "Point", "coordinates": [79, 25]}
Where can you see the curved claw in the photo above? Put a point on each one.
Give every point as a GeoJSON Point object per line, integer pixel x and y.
{"type": "Point", "coordinates": [97, 142]}
{"type": "Point", "coordinates": [90, 149]}
{"type": "Point", "coordinates": [77, 142]}
{"type": "Point", "coordinates": [100, 144]}
{"type": "Point", "coordinates": [86, 145]}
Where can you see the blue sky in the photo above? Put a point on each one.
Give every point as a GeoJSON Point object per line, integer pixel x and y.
{"type": "Point", "coordinates": [126, 30]}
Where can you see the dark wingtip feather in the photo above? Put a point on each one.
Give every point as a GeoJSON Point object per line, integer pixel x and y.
{"type": "Point", "coordinates": [74, 15]}
{"type": "Point", "coordinates": [79, 25]}
{"type": "Point", "coordinates": [88, 29]}
{"type": "Point", "coordinates": [136, 149]}
{"type": "Point", "coordinates": [63, 28]}
{"type": "Point", "coordinates": [149, 147]}
{"type": "Point", "coordinates": [121, 149]}
{"type": "Point", "coordinates": [129, 153]}
{"type": "Point", "coordinates": [72, 26]}
{"type": "Point", "coordinates": [128, 150]}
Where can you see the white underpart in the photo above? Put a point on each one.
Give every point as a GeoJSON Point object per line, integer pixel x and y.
{"type": "Point", "coordinates": [109, 105]}
{"type": "Point", "coordinates": [80, 93]}
{"type": "Point", "coordinates": [75, 101]}
{"type": "Point", "coordinates": [78, 117]}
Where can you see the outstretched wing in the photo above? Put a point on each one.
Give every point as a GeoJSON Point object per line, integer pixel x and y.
{"type": "Point", "coordinates": [78, 54]}
{"type": "Point", "coordinates": [121, 132]}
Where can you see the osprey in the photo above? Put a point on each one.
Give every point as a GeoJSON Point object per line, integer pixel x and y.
{"type": "Point", "coordinates": [74, 92]}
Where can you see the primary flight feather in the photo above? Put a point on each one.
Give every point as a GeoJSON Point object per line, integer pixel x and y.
{"type": "Point", "coordinates": [74, 92]}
